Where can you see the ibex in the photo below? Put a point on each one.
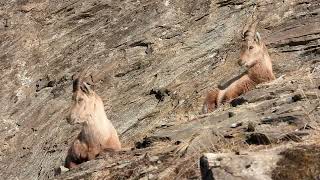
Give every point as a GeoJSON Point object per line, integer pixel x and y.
{"type": "Point", "coordinates": [97, 132]}
{"type": "Point", "coordinates": [254, 57]}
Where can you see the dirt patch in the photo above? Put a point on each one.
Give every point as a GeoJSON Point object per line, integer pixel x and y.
{"type": "Point", "coordinates": [299, 163]}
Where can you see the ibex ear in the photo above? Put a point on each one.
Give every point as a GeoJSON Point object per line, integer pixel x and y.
{"type": "Point", "coordinates": [257, 38]}
{"type": "Point", "coordinates": [85, 88]}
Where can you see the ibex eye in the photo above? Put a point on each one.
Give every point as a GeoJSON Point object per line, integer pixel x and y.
{"type": "Point", "coordinates": [250, 47]}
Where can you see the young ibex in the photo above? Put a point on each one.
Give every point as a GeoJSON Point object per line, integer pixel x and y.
{"type": "Point", "coordinates": [255, 58]}
{"type": "Point", "coordinates": [97, 133]}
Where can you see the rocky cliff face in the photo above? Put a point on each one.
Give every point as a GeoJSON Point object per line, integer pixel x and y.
{"type": "Point", "coordinates": [152, 63]}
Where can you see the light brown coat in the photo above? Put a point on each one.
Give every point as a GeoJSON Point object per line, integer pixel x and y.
{"type": "Point", "coordinates": [255, 58]}
{"type": "Point", "coordinates": [97, 134]}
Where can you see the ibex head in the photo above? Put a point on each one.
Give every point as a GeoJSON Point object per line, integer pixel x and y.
{"type": "Point", "coordinates": [83, 102]}
{"type": "Point", "coordinates": [252, 49]}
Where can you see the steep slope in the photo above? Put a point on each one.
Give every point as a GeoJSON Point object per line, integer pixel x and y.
{"type": "Point", "coordinates": [152, 63]}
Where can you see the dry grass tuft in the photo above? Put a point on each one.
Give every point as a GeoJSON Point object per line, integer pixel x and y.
{"type": "Point", "coordinates": [302, 162]}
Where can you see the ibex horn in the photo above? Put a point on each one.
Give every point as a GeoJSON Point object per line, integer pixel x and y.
{"type": "Point", "coordinates": [77, 80]}
{"type": "Point", "coordinates": [251, 32]}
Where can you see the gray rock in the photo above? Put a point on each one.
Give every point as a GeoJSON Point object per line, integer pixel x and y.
{"type": "Point", "coordinates": [153, 158]}
{"type": "Point", "coordinates": [224, 166]}
{"type": "Point", "coordinates": [262, 165]}
{"type": "Point", "coordinates": [61, 170]}
{"type": "Point", "coordinates": [235, 125]}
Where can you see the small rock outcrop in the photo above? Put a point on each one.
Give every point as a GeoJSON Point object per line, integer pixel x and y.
{"type": "Point", "coordinates": [291, 162]}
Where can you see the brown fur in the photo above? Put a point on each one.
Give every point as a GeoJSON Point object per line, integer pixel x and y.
{"type": "Point", "coordinates": [97, 133]}
{"type": "Point", "coordinates": [255, 57]}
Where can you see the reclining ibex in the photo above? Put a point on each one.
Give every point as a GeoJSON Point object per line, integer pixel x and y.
{"type": "Point", "coordinates": [255, 58]}
{"type": "Point", "coordinates": [97, 133]}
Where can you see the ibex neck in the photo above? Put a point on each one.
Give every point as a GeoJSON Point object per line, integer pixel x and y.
{"type": "Point", "coordinates": [95, 127]}
{"type": "Point", "coordinates": [262, 71]}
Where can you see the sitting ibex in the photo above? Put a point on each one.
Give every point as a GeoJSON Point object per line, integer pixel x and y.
{"type": "Point", "coordinates": [255, 58]}
{"type": "Point", "coordinates": [97, 133]}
